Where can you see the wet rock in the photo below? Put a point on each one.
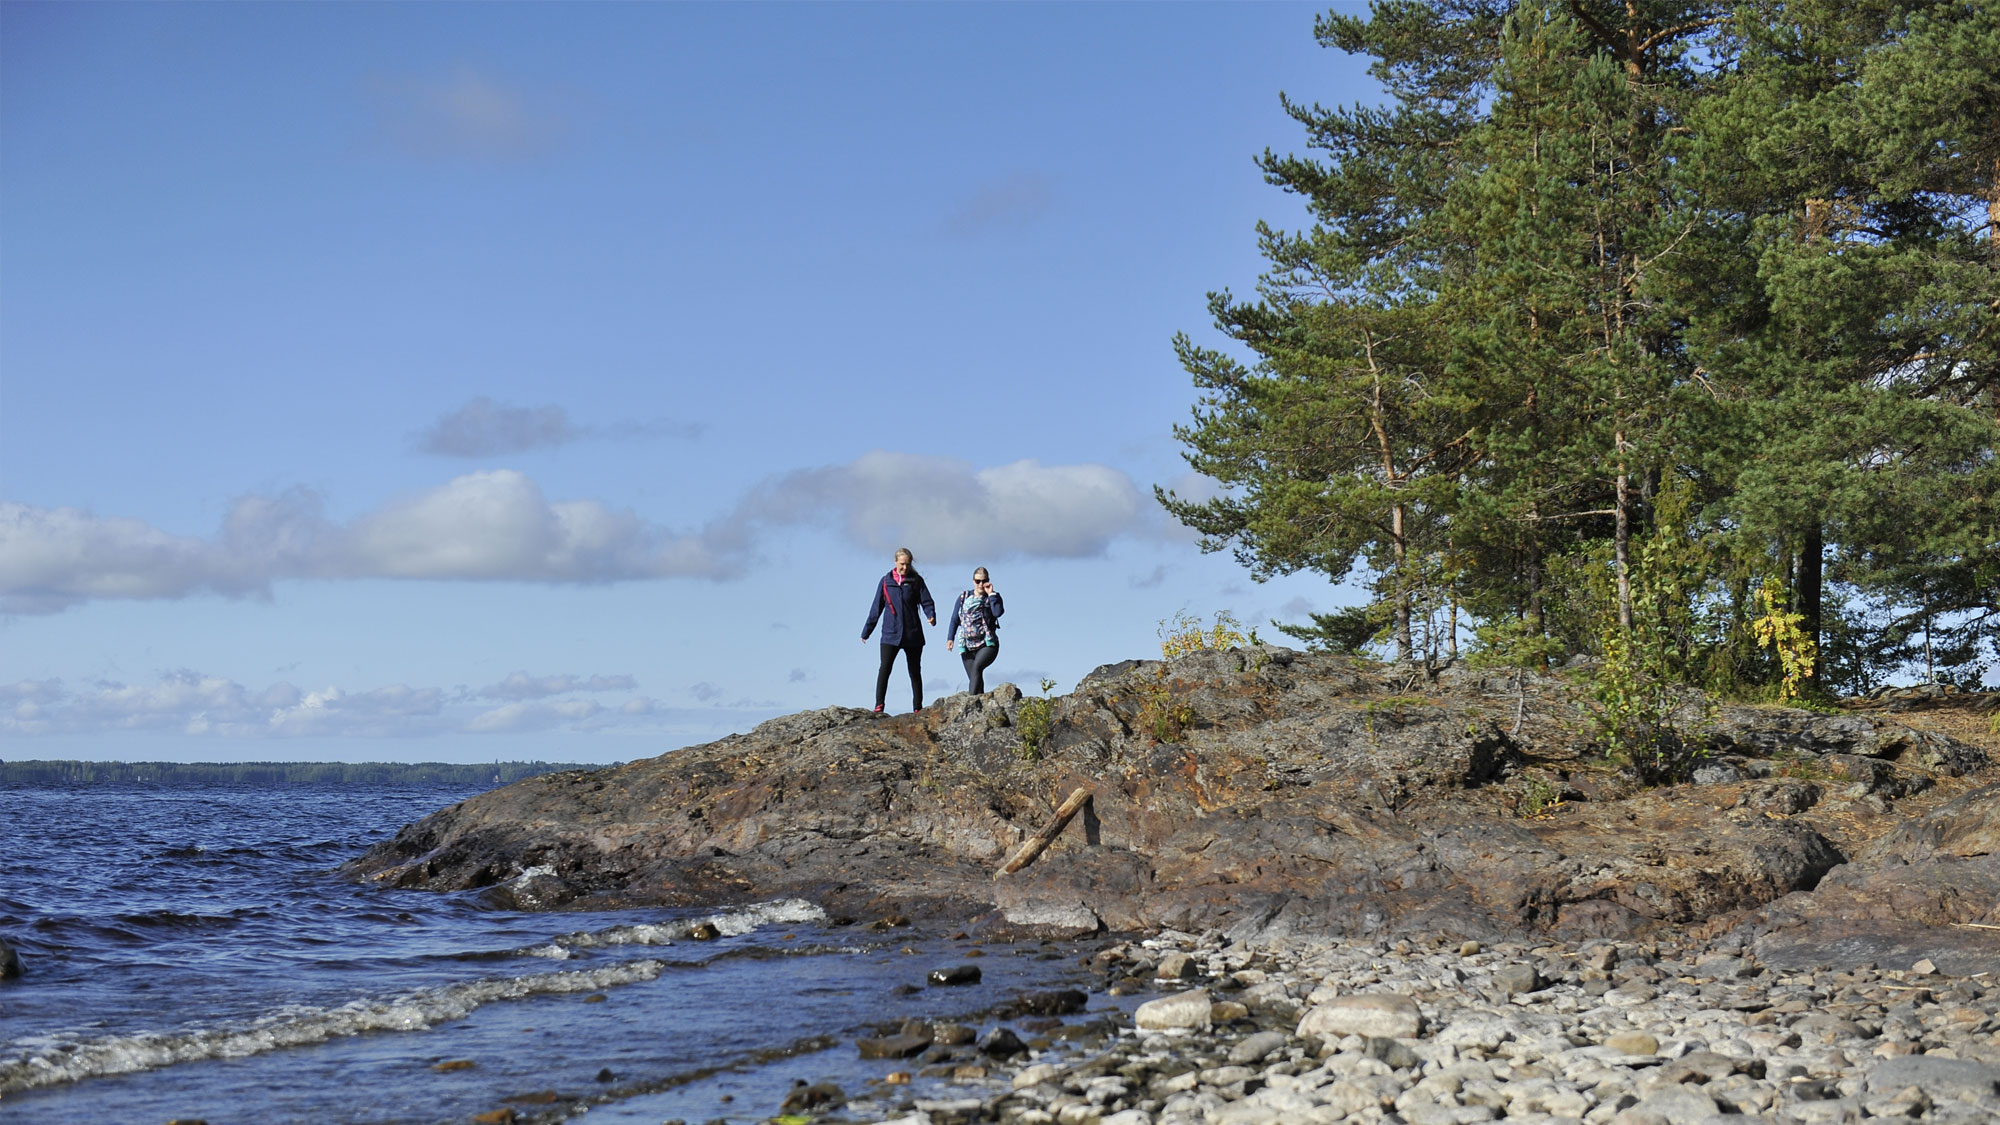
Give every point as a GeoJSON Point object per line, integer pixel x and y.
{"type": "Point", "coordinates": [605, 1075]}
{"type": "Point", "coordinates": [452, 1065]}
{"type": "Point", "coordinates": [704, 931]}
{"type": "Point", "coordinates": [1175, 966]}
{"type": "Point", "coordinates": [805, 1098]}
{"type": "Point", "coordinates": [953, 1034]}
{"type": "Point", "coordinates": [901, 1046]}
{"type": "Point", "coordinates": [1186, 1009]}
{"type": "Point", "coordinates": [955, 975]}
{"type": "Point", "coordinates": [1001, 1043]}
{"type": "Point", "coordinates": [1052, 1002]}
{"type": "Point", "coordinates": [10, 962]}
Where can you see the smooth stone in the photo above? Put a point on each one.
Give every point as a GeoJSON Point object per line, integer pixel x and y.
{"type": "Point", "coordinates": [1394, 1054]}
{"type": "Point", "coordinates": [1257, 1047]}
{"type": "Point", "coordinates": [1512, 980]}
{"type": "Point", "coordinates": [1633, 1043]}
{"type": "Point", "coordinates": [1383, 1014]}
{"type": "Point", "coordinates": [1226, 1010]}
{"type": "Point", "coordinates": [955, 975]}
{"type": "Point", "coordinates": [1940, 1078]}
{"type": "Point", "coordinates": [1677, 1105]}
{"type": "Point", "coordinates": [1174, 966]}
{"type": "Point", "coordinates": [1035, 1075]}
{"type": "Point", "coordinates": [1182, 1010]}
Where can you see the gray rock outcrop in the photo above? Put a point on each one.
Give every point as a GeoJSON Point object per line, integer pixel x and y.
{"type": "Point", "coordinates": [1255, 791]}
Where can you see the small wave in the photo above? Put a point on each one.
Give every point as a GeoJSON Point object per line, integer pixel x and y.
{"type": "Point", "coordinates": [735, 923]}
{"type": "Point", "coordinates": [48, 1062]}
{"type": "Point", "coordinates": [787, 912]}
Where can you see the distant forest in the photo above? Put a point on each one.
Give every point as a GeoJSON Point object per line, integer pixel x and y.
{"type": "Point", "coordinates": [274, 773]}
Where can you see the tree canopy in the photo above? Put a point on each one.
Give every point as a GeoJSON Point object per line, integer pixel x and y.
{"type": "Point", "coordinates": [1667, 333]}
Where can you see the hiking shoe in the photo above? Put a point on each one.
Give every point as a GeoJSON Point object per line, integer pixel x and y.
{"type": "Point", "coordinates": [878, 708]}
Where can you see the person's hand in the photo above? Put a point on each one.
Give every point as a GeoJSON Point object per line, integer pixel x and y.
{"type": "Point", "coordinates": [933, 620]}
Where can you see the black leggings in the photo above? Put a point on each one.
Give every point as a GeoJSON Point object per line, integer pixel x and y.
{"type": "Point", "coordinates": [977, 660]}
{"type": "Point", "coordinates": [913, 657]}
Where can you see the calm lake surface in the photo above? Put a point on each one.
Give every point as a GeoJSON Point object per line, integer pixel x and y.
{"type": "Point", "coordinates": [191, 953]}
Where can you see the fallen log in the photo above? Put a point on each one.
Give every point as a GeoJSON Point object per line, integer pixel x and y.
{"type": "Point", "coordinates": [1035, 844]}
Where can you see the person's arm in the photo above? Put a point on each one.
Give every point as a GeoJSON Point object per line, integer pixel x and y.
{"type": "Point", "coordinates": [874, 612]}
{"type": "Point", "coordinates": [952, 630]}
{"type": "Point", "coordinates": [996, 607]}
{"type": "Point", "coordinates": [924, 595]}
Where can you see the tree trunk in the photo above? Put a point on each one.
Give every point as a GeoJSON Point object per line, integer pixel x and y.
{"type": "Point", "coordinates": [1403, 645]}
{"type": "Point", "coordinates": [1623, 541]}
{"type": "Point", "coordinates": [1812, 564]}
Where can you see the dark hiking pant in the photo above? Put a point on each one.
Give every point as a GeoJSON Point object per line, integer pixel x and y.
{"type": "Point", "coordinates": [913, 658]}
{"type": "Point", "coordinates": [977, 660]}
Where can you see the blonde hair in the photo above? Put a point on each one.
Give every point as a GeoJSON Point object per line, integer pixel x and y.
{"type": "Point", "coordinates": [904, 553]}
{"type": "Point", "coordinates": [978, 572]}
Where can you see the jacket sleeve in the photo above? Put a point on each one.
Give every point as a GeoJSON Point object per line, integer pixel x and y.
{"type": "Point", "coordinates": [930, 608]}
{"type": "Point", "coordinates": [994, 608]}
{"type": "Point", "coordinates": [952, 629]}
{"type": "Point", "coordinates": [874, 612]}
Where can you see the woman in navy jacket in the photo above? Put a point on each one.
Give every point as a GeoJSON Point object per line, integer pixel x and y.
{"type": "Point", "coordinates": [898, 596]}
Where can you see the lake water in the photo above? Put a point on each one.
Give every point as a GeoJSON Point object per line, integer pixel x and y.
{"type": "Point", "coordinates": [191, 953]}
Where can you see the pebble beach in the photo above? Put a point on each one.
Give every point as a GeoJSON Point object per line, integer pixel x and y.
{"type": "Point", "coordinates": [1445, 1032]}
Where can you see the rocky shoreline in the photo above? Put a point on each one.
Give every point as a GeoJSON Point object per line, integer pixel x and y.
{"type": "Point", "coordinates": [1447, 1032]}
{"type": "Point", "coordinates": [1425, 896]}
{"type": "Point", "coordinates": [1261, 791]}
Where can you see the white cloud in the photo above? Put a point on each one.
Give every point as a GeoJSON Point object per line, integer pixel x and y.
{"type": "Point", "coordinates": [463, 115]}
{"type": "Point", "coordinates": [516, 717]}
{"type": "Point", "coordinates": [498, 526]}
{"type": "Point", "coordinates": [520, 685]}
{"type": "Point", "coordinates": [192, 703]}
{"type": "Point", "coordinates": [486, 526]}
{"type": "Point", "coordinates": [946, 510]}
{"type": "Point", "coordinates": [484, 428]}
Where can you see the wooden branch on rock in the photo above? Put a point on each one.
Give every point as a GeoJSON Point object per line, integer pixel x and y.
{"type": "Point", "coordinates": [1041, 840]}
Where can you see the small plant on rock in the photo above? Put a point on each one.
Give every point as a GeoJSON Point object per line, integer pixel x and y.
{"type": "Point", "coordinates": [1034, 719]}
{"type": "Point", "coordinates": [1165, 717]}
{"type": "Point", "coordinates": [1184, 633]}
{"type": "Point", "coordinates": [1540, 800]}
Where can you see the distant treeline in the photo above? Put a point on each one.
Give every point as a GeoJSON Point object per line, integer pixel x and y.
{"type": "Point", "coordinates": [274, 773]}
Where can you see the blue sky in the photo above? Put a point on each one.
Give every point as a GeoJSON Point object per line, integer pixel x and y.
{"type": "Point", "coordinates": [461, 382]}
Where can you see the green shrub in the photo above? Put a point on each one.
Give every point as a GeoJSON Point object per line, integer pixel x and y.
{"type": "Point", "coordinates": [1160, 713]}
{"type": "Point", "coordinates": [1034, 719]}
{"type": "Point", "coordinates": [1184, 633]}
